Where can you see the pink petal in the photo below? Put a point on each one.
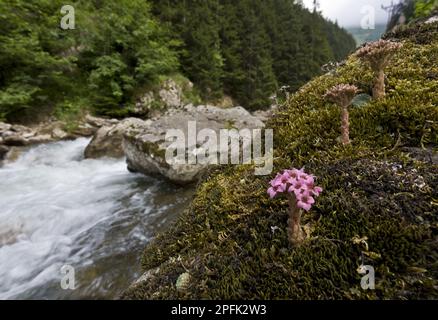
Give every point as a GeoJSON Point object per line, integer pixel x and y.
{"type": "Point", "coordinates": [304, 206]}
{"type": "Point", "coordinates": [272, 193]}
{"type": "Point", "coordinates": [298, 193]}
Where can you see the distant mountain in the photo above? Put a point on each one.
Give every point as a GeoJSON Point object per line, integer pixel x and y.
{"type": "Point", "coordinates": [365, 35]}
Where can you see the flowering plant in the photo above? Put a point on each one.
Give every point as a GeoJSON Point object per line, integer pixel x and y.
{"type": "Point", "coordinates": [301, 192]}
{"type": "Point", "coordinates": [378, 55]}
{"type": "Point", "coordinates": [343, 95]}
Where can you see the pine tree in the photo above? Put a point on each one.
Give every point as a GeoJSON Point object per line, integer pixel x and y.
{"type": "Point", "coordinates": [248, 48]}
{"type": "Point", "coordinates": [260, 81]}
{"type": "Point", "coordinates": [197, 25]}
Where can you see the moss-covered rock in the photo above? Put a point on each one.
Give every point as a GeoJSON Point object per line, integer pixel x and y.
{"type": "Point", "coordinates": [379, 206]}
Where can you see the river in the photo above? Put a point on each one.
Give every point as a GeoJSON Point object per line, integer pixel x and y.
{"type": "Point", "coordinates": [58, 209]}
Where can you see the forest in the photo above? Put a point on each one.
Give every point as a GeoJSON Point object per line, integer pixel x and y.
{"type": "Point", "coordinates": [245, 49]}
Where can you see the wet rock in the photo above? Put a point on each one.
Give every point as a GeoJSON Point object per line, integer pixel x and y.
{"type": "Point", "coordinates": [20, 128]}
{"type": "Point", "coordinates": [59, 134]}
{"type": "Point", "coordinates": [51, 130]}
{"type": "Point", "coordinates": [15, 141]}
{"type": "Point", "coordinates": [3, 151]}
{"type": "Point", "coordinates": [99, 122]}
{"type": "Point", "coordinates": [85, 130]}
{"type": "Point", "coordinates": [13, 154]}
{"type": "Point", "coordinates": [41, 138]}
{"type": "Point", "coordinates": [107, 142]}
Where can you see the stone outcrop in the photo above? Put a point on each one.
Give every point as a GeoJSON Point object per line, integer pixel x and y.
{"type": "Point", "coordinates": [167, 96]}
{"type": "Point", "coordinates": [107, 142]}
{"type": "Point", "coordinates": [145, 145]}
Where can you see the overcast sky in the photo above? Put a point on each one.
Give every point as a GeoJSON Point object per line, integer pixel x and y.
{"type": "Point", "coordinates": [348, 12]}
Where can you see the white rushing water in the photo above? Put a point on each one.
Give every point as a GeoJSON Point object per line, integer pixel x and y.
{"type": "Point", "coordinates": [58, 209]}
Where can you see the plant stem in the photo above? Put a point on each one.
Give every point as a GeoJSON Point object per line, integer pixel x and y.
{"type": "Point", "coordinates": [294, 232]}
{"type": "Point", "coordinates": [379, 85]}
{"type": "Point", "coordinates": [345, 129]}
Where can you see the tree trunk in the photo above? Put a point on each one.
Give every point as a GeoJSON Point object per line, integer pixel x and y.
{"type": "Point", "coordinates": [294, 231]}
{"type": "Point", "coordinates": [379, 85]}
{"type": "Point", "coordinates": [345, 128]}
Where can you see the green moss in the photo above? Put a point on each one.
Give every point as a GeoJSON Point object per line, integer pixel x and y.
{"type": "Point", "coordinates": [153, 150]}
{"type": "Point", "coordinates": [373, 190]}
{"type": "Point", "coordinates": [145, 146]}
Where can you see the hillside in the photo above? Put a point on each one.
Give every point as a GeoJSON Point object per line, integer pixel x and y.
{"type": "Point", "coordinates": [378, 206]}
{"type": "Point", "coordinates": [249, 48]}
{"type": "Point", "coordinates": [119, 50]}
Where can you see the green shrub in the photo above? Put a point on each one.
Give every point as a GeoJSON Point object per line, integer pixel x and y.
{"type": "Point", "coordinates": [116, 46]}
{"type": "Point", "coordinates": [424, 8]}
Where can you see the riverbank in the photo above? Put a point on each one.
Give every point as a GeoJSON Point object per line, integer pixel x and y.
{"type": "Point", "coordinates": [15, 138]}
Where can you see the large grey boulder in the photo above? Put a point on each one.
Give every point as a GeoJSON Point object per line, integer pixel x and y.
{"type": "Point", "coordinates": [107, 142]}
{"type": "Point", "coordinates": [145, 145]}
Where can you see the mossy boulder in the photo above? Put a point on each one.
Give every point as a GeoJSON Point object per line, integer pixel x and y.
{"type": "Point", "coordinates": [379, 206]}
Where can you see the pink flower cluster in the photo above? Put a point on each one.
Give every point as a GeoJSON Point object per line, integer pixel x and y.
{"type": "Point", "coordinates": [299, 183]}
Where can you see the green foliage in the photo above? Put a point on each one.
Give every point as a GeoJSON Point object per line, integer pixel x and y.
{"type": "Point", "coordinates": [70, 112]}
{"type": "Point", "coordinates": [245, 49]}
{"type": "Point", "coordinates": [136, 51]}
{"type": "Point", "coordinates": [251, 81]}
{"type": "Point", "coordinates": [110, 80]}
{"type": "Point", "coordinates": [375, 190]}
{"type": "Point", "coordinates": [423, 8]}
{"type": "Point", "coordinates": [33, 73]}
{"type": "Point", "coordinates": [116, 46]}
{"type": "Point", "coordinates": [412, 10]}
{"type": "Point", "coordinates": [248, 48]}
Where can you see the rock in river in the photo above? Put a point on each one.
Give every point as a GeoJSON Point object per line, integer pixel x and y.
{"type": "Point", "coordinates": [107, 142]}
{"type": "Point", "coordinates": [145, 145]}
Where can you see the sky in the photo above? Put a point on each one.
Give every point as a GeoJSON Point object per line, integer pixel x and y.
{"type": "Point", "coordinates": [348, 12]}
